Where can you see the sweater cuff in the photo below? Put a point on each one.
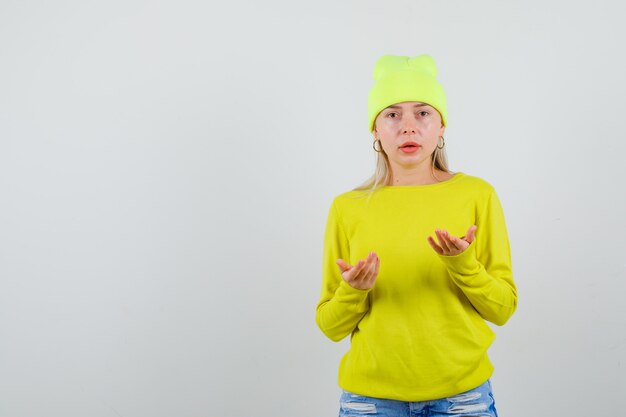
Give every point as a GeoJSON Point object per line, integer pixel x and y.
{"type": "Point", "coordinates": [465, 263]}
{"type": "Point", "coordinates": [348, 294]}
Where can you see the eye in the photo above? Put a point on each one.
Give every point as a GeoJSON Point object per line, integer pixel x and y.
{"type": "Point", "coordinates": [390, 113]}
{"type": "Point", "coordinates": [424, 111]}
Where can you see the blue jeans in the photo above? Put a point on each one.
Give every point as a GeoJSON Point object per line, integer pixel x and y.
{"type": "Point", "coordinates": [475, 402]}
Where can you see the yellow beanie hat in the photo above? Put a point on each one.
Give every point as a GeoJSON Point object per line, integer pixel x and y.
{"type": "Point", "coordinates": [401, 78]}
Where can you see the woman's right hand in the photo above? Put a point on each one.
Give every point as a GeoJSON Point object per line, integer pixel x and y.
{"type": "Point", "coordinates": [362, 275]}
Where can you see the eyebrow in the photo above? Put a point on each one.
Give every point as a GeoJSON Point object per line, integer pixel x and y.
{"type": "Point", "coordinates": [399, 107]}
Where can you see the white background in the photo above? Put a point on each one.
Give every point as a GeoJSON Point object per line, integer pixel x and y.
{"type": "Point", "coordinates": [166, 170]}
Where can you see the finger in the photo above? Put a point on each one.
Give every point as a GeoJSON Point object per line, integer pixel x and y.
{"type": "Point", "coordinates": [434, 245]}
{"type": "Point", "coordinates": [454, 242]}
{"type": "Point", "coordinates": [369, 271]}
{"type": "Point", "coordinates": [374, 273]}
{"type": "Point", "coordinates": [472, 232]}
{"type": "Point", "coordinates": [354, 271]}
{"type": "Point", "coordinates": [442, 241]}
{"type": "Point", "coordinates": [362, 266]}
{"type": "Point", "coordinates": [343, 265]}
{"type": "Point", "coordinates": [361, 272]}
{"type": "Point", "coordinates": [372, 266]}
{"type": "Point", "coordinates": [448, 242]}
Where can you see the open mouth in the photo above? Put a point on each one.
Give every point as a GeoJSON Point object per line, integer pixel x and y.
{"type": "Point", "coordinates": [410, 147]}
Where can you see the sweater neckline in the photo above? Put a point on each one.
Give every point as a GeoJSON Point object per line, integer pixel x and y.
{"type": "Point", "coordinates": [453, 179]}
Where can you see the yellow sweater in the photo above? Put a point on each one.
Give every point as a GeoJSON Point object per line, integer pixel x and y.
{"type": "Point", "coordinates": [420, 333]}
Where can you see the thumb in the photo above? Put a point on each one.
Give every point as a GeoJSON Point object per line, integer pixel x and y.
{"type": "Point", "coordinates": [469, 236]}
{"type": "Point", "coordinates": [343, 265]}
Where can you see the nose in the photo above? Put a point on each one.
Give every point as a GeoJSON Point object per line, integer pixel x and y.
{"type": "Point", "coordinates": [409, 127]}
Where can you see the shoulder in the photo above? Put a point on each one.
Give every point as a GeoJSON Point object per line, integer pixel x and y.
{"type": "Point", "coordinates": [484, 194]}
{"type": "Point", "coordinates": [350, 200]}
{"type": "Point", "coordinates": [479, 185]}
{"type": "Point", "coordinates": [351, 195]}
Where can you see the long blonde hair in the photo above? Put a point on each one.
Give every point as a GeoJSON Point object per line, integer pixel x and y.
{"type": "Point", "coordinates": [382, 175]}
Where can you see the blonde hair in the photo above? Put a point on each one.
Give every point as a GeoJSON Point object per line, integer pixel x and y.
{"type": "Point", "coordinates": [382, 175]}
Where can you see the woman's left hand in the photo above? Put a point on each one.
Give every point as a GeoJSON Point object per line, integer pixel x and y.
{"type": "Point", "coordinates": [451, 245]}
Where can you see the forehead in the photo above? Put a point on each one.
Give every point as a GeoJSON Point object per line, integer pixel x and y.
{"type": "Point", "coordinates": [408, 105]}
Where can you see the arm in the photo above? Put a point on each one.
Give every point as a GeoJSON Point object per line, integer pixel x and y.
{"type": "Point", "coordinates": [483, 271]}
{"type": "Point", "coordinates": [340, 306]}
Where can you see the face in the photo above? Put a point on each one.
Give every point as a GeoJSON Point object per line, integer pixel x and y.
{"type": "Point", "coordinates": [409, 121]}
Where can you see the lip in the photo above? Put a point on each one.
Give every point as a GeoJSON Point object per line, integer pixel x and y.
{"type": "Point", "coordinates": [409, 149]}
{"type": "Point", "coordinates": [409, 143]}
{"type": "Point", "coordinates": [410, 146]}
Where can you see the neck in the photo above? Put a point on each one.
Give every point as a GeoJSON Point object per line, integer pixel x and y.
{"type": "Point", "coordinates": [422, 174]}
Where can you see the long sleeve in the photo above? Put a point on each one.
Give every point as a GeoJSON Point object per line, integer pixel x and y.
{"type": "Point", "coordinates": [341, 306]}
{"type": "Point", "coordinates": [484, 271]}
{"type": "Point", "coordinates": [421, 331]}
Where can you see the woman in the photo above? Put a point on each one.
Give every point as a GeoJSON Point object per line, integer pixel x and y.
{"type": "Point", "coordinates": [415, 306]}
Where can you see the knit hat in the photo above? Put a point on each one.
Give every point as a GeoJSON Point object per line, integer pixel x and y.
{"type": "Point", "coordinates": [401, 78]}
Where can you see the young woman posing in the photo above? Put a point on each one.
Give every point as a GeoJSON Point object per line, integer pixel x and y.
{"type": "Point", "coordinates": [415, 305]}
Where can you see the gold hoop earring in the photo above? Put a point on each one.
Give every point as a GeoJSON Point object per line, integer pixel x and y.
{"type": "Point", "coordinates": [374, 145]}
{"type": "Point", "coordinates": [442, 144]}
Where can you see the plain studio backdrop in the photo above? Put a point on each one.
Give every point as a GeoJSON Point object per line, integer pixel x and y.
{"type": "Point", "coordinates": [166, 170]}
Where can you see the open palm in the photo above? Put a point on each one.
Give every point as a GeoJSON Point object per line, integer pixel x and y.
{"type": "Point", "coordinates": [451, 245]}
